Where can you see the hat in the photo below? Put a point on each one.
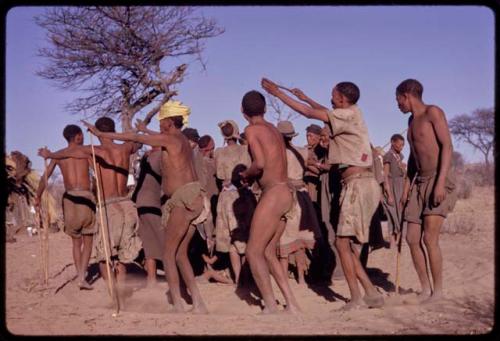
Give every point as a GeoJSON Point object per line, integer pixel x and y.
{"type": "Point", "coordinates": [191, 134]}
{"type": "Point", "coordinates": [174, 108]}
{"type": "Point", "coordinates": [236, 130]}
{"type": "Point", "coordinates": [314, 128]}
{"type": "Point", "coordinates": [286, 128]}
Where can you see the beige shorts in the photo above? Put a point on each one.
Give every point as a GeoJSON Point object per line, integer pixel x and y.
{"type": "Point", "coordinates": [359, 199]}
{"type": "Point", "coordinates": [185, 197]}
{"type": "Point", "coordinates": [120, 215]}
{"type": "Point", "coordinates": [420, 199]}
{"type": "Point", "coordinates": [79, 213]}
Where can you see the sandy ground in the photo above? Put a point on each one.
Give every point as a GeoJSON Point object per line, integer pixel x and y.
{"type": "Point", "coordinates": [62, 309]}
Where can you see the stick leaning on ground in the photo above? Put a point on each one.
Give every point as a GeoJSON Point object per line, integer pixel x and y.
{"type": "Point", "coordinates": [104, 232]}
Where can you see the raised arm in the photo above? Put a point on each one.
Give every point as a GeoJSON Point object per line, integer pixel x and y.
{"type": "Point", "coordinates": [303, 109]}
{"type": "Point", "coordinates": [156, 140]}
{"type": "Point", "coordinates": [300, 95]}
{"type": "Point", "coordinates": [438, 120]}
{"type": "Point", "coordinates": [42, 184]}
{"type": "Point", "coordinates": [257, 165]}
{"type": "Point", "coordinates": [76, 152]}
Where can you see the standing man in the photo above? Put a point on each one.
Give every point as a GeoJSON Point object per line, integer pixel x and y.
{"type": "Point", "coordinates": [120, 212]}
{"type": "Point", "coordinates": [186, 204]}
{"type": "Point", "coordinates": [78, 202]}
{"type": "Point", "coordinates": [433, 193]}
{"type": "Point", "coordinates": [275, 204]}
{"type": "Point", "coordinates": [349, 151]}
{"type": "Point", "coordinates": [311, 176]}
{"type": "Point", "coordinates": [395, 175]}
{"type": "Point", "coordinates": [206, 146]}
{"type": "Point", "coordinates": [147, 197]}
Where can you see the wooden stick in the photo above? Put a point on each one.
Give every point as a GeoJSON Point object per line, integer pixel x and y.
{"type": "Point", "coordinates": [45, 237]}
{"type": "Point", "coordinates": [104, 234]}
{"type": "Point", "coordinates": [398, 258]}
{"type": "Point", "coordinates": [39, 233]}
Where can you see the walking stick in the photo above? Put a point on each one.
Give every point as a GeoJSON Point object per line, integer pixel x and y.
{"type": "Point", "coordinates": [104, 232]}
{"type": "Point", "coordinates": [45, 236]}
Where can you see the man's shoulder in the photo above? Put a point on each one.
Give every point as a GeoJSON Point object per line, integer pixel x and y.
{"type": "Point", "coordinates": [433, 111]}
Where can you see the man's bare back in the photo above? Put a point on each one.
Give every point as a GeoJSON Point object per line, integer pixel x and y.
{"type": "Point", "coordinates": [75, 173]}
{"type": "Point", "coordinates": [269, 138]}
{"type": "Point", "coordinates": [113, 163]}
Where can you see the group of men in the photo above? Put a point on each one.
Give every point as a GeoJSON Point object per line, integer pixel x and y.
{"type": "Point", "coordinates": [259, 198]}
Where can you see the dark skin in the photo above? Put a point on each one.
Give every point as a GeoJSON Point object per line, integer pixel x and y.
{"type": "Point", "coordinates": [75, 174]}
{"type": "Point", "coordinates": [269, 166]}
{"type": "Point", "coordinates": [431, 151]}
{"type": "Point", "coordinates": [112, 161]}
{"type": "Point", "coordinates": [177, 170]}
{"type": "Point", "coordinates": [349, 257]}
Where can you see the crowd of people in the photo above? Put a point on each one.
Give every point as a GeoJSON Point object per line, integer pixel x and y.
{"type": "Point", "coordinates": [307, 213]}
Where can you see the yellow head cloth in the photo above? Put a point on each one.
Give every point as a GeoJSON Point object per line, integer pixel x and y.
{"type": "Point", "coordinates": [174, 108]}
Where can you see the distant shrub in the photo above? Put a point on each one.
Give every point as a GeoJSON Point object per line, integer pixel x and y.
{"type": "Point", "coordinates": [479, 174]}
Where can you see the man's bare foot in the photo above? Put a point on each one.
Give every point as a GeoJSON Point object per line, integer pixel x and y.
{"type": "Point", "coordinates": [418, 299]}
{"type": "Point", "coordinates": [293, 309]}
{"type": "Point", "coordinates": [267, 311]}
{"type": "Point", "coordinates": [176, 310]}
{"type": "Point", "coordinates": [374, 301]}
{"type": "Point", "coordinates": [435, 297]}
{"type": "Point", "coordinates": [352, 305]}
{"type": "Point", "coordinates": [84, 285]}
{"type": "Point", "coordinates": [200, 309]}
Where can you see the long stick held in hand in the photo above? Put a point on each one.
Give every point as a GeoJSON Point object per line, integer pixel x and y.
{"type": "Point", "coordinates": [45, 224]}
{"type": "Point", "coordinates": [104, 233]}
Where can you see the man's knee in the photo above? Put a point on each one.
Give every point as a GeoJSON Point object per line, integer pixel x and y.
{"type": "Point", "coordinates": [270, 253]}
{"type": "Point", "coordinates": [430, 240]}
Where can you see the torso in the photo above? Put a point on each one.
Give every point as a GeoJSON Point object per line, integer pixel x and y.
{"type": "Point", "coordinates": [177, 163]}
{"type": "Point", "coordinates": [113, 170]}
{"type": "Point", "coordinates": [423, 144]}
{"type": "Point", "coordinates": [275, 165]}
{"type": "Point", "coordinates": [75, 173]}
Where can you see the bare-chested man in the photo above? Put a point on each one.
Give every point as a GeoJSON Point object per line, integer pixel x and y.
{"type": "Point", "coordinates": [432, 195]}
{"type": "Point", "coordinates": [275, 204]}
{"type": "Point", "coordinates": [186, 205]}
{"type": "Point", "coordinates": [349, 151]}
{"type": "Point", "coordinates": [119, 211]}
{"type": "Point", "coordinates": [78, 202]}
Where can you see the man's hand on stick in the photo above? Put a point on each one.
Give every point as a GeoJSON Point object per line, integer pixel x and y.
{"type": "Point", "coordinates": [92, 128]}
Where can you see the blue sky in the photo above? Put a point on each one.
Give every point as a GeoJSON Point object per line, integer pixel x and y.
{"type": "Point", "coordinates": [450, 49]}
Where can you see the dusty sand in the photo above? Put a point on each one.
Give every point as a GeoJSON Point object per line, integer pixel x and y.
{"type": "Point", "coordinates": [467, 308]}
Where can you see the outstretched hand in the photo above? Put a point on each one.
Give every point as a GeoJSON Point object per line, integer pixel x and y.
{"type": "Point", "coordinates": [44, 152]}
{"type": "Point", "coordinates": [91, 128]}
{"type": "Point", "coordinates": [299, 94]}
{"type": "Point", "coordinates": [270, 86]}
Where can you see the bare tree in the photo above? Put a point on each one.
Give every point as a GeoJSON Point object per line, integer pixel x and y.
{"type": "Point", "coordinates": [280, 112]}
{"type": "Point", "coordinates": [476, 129]}
{"type": "Point", "coordinates": [118, 55]}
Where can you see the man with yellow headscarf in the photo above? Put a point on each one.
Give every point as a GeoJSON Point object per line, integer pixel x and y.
{"type": "Point", "coordinates": [187, 203]}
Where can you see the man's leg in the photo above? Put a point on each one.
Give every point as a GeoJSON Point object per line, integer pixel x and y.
{"type": "Point", "coordinates": [300, 260]}
{"type": "Point", "coordinates": [432, 228]}
{"type": "Point", "coordinates": [413, 238]}
{"type": "Point", "coordinates": [262, 230]}
{"type": "Point", "coordinates": [175, 231]}
{"type": "Point", "coordinates": [234, 257]}
{"type": "Point", "coordinates": [84, 261]}
{"type": "Point", "coordinates": [373, 298]}
{"type": "Point", "coordinates": [77, 253]}
{"type": "Point", "coordinates": [284, 264]}
{"type": "Point", "coordinates": [343, 245]}
{"type": "Point", "coordinates": [186, 270]}
{"type": "Point", "coordinates": [150, 265]}
{"type": "Point", "coordinates": [276, 269]}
